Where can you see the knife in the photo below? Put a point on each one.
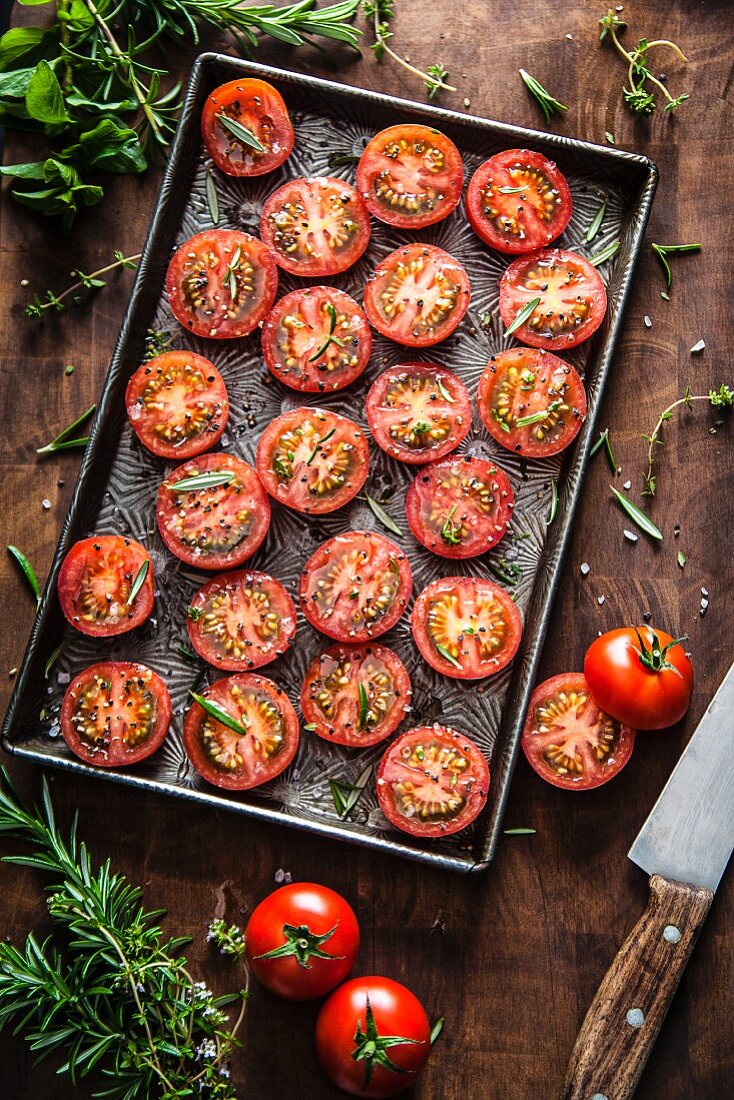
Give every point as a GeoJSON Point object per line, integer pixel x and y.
{"type": "Point", "coordinates": [684, 846]}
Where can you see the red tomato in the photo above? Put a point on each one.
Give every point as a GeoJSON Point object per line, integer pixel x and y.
{"type": "Point", "coordinates": [531, 402]}
{"type": "Point", "coordinates": [221, 283]}
{"type": "Point", "coordinates": [262, 747]}
{"type": "Point", "coordinates": [568, 740]}
{"type": "Point", "coordinates": [177, 404]}
{"type": "Point", "coordinates": [242, 620]}
{"type": "Point", "coordinates": [219, 526]}
{"type": "Point", "coordinates": [316, 340]}
{"type": "Point", "coordinates": [356, 1034]}
{"type": "Point", "coordinates": [355, 695]}
{"type": "Point", "coordinates": [417, 295]}
{"type": "Point", "coordinates": [418, 412]}
{"type": "Point", "coordinates": [355, 586]}
{"type": "Point", "coordinates": [460, 507]}
{"type": "Point", "coordinates": [313, 460]}
{"type": "Point", "coordinates": [572, 303]}
{"type": "Point", "coordinates": [315, 226]}
{"type": "Point", "coordinates": [466, 627]}
{"type": "Point", "coordinates": [432, 781]}
{"type": "Point", "coordinates": [115, 713]}
{"type": "Point", "coordinates": [410, 176]}
{"type": "Point", "coordinates": [518, 201]}
{"type": "Point", "coordinates": [95, 581]}
{"type": "Point", "coordinates": [302, 941]}
{"type": "Point", "coordinates": [641, 676]}
{"type": "Point", "coordinates": [259, 108]}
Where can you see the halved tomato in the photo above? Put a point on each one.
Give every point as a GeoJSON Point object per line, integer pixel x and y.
{"type": "Point", "coordinates": [460, 507]}
{"type": "Point", "coordinates": [466, 627]}
{"type": "Point", "coordinates": [177, 404]}
{"type": "Point", "coordinates": [355, 695]}
{"type": "Point", "coordinates": [313, 460]}
{"type": "Point", "coordinates": [213, 512]}
{"type": "Point", "coordinates": [241, 620]}
{"type": "Point", "coordinates": [568, 740]}
{"type": "Point", "coordinates": [115, 713]}
{"type": "Point", "coordinates": [518, 201]}
{"type": "Point", "coordinates": [262, 743]}
{"type": "Point", "coordinates": [246, 127]}
{"type": "Point", "coordinates": [418, 412]}
{"type": "Point", "coordinates": [221, 283]}
{"type": "Point", "coordinates": [531, 402]}
{"type": "Point", "coordinates": [316, 225]}
{"type": "Point", "coordinates": [96, 579]}
{"type": "Point", "coordinates": [432, 781]}
{"type": "Point", "coordinates": [417, 295]}
{"type": "Point", "coordinates": [316, 340]}
{"type": "Point", "coordinates": [355, 586]}
{"type": "Point", "coordinates": [570, 295]}
{"type": "Point", "coordinates": [410, 176]}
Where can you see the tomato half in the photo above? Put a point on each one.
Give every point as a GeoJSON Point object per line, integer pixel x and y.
{"type": "Point", "coordinates": [219, 526]}
{"type": "Point", "coordinates": [417, 295]}
{"type": "Point", "coordinates": [518, 201]}
{"type": "Point", "coordinates": [302, 941]}
{"type": "Point", "coordinates": [355, 586]}
{"type": "Point", "coordinates": [410, 176]}
{"type": "Point", "coordinates": [466, 627]}
{"type": "Point", "coordinates": [260, 749]}
{"type": "Point", "coordinates": [460, 507]}
{"type": "Point", "coordinates": [221, 283]}
{"type": "Point", "coordinates": [316, 340]}
{"type": "Point", "coordinates": [572, 303]}
{"type": "Point", "coordinates": [115, 713]}
{"type": "Point", "coordinates": [359, 1032]}
{"type": "Point", "coordinates": [241, 620]}
{"type": "Point", "coordinates": [95, 582]}
{"type": "Point", "coordinates": [313, 460]}
{"type": "Point", "coordinates": [259, 108]}
{"type": "Point", "coordinates": [568, 740]}
{"type": "Point", "coordinates": [641, 676]}
{"type": "Point", "coordinates": [418, 412]}
{"type": "Point", "coordinates": [317, 225]}
{"type": "Point", "coordinates": [356, 695]}
{"type": "Point", "coordinates": [531, 402]}
{"type": "Point", "coordinates": [432, 781]}
{"type": "Point", "coordinates": [177, 404]}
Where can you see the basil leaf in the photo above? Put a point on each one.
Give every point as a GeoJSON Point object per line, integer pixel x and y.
{"type": "Point", "coordinates": [15, 83]}
{"type": "Point", "coordinates": [17, 42]}
{"type": "Point", "coordinates": [28, 171]}
{"type": "Point", "coordinates": [44, 99]}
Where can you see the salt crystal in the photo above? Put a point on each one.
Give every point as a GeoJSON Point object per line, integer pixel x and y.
{"type": "Point", "coordinates": [648, 322]}
{"type": "Point", "coordinates": [585, 567]}
{"type": "Point", "coordinates": [630, 535]}
{"type": "Point", "coordinates": [698, 347]}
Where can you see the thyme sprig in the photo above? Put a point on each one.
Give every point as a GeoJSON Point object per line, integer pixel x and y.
{"type": "Point", "coordinates": [723, 398]}
{"type": "Point", "coordinates": [379, 13]}
{"type": "Point", "coordinates": [37, 307]}
{"type": "Point", "coordinates": [637, 95]}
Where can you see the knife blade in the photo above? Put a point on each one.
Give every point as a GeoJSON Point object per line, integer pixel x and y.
{"type": "Point", "coordinates": [684, 845]}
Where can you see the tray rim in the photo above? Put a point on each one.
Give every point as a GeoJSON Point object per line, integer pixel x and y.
{"type": "Point", "coordinates": [555, 548]}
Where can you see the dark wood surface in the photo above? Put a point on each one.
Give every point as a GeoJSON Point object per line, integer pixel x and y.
{"type": "Point", "coordinates": [514, 957]}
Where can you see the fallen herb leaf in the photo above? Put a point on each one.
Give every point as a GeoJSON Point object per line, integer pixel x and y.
{"type": "Point", "coordinates": [240, 132]}
{"type": "Point", "coordinates": [437, 1029]}
{"type": "Point", "coordinates": [53, 659]}
{"type": "Point", "coordinates": [201, 481]}
{"type": "Point", "coordinates": [219, 714]}
{"type": "Point", "coordinates": [681, 559]}
{"type": "Point", "coordinates": [28, 572]}
{"type": "Point", "coordinates": [637, 515]}
{"type": "Point", "coordinates": [596, 223]}
{"type": "Point", "coordinates": [212, 200]}
{"type": "Point", "coordinates": [520, 832]}
{"type": "Point", "coordinates": [385, 519]}
{"type": "Point", "coordinates": [447, 656]}
{"type": "Point", "coordinates": [554, 502]}
{"type": "Point", "coordinates": [63, 441]}
{"type": "Point", "coordinates": [522, 316]}
{"type": "Point", "coordinates": [548, 104]}
{"type": "Point", "coordinates": [605, 254]}
{"type": "Point", "coordinates": [139, 581]}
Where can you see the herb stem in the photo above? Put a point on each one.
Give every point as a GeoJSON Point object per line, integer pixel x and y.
{"type": "Point", "coordinates": [721, 398]}
{"type": "Point", "coordinates": [437, 83]}
{"type": "Point", "coordinates": [123, 261]}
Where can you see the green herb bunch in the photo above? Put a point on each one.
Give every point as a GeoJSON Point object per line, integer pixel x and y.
{"type": "Point", "coordinates": [639, 92]}
{"type": "Point", "coordinates": [107, 990]}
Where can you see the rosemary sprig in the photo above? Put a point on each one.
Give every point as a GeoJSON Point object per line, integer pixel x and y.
{"type": "Point", "coordinates": [64, 440]}
{"type": "Point", "coordinates": [723, 398]}
{"type": "Point", "coordinates": [37, 307]}
{"type": "Point", "coordinates": [605, 442]}
{"type": "Point", "coordinates": [331, 338]}
{"type": "Point", "coordinates": [345, 796]}
{"type": "Point", "coordinates": [451, 531]}
{"type": "Point", "coordinates": [662, 251]}
{"type": "Point", "coordinates": [384, 517]}
{"type": "Point", "coordinates": [606, 254]}
{"type": "Point", "coordinates": [28, 572]}
{"type": "Point", "coordinates": [240, 132]}
{"type": "Point", "coordinates": [379, 13]}
{"type": "Point", "coordinates": [537, 417]}
{"type": "Point", "coordinates": [219, 714]}
{"type": "Point", "coordinates": [553, 511]}
{"type": "Point", "coordinates": [637, 95]}
{"type": "Point", "coordinates": [548, 104]}
{"type": "Point", "coordinates": [196, 482]}
{"type": "Point", "coordinates": [637, 516]}
{"type": "Point", "coordinates": [522, 316]}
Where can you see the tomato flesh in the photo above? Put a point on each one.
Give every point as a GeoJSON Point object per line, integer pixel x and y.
{"type": "Point", "coordinates": [259, 108]}
{"type": "Point", "coordinates": [356, 695]}
{"type": "Point", "coordinates": [313, 460]}
{"type": "Point", "coordinates": [417, 295]}
{"type": "Point", "coordinates": [95, 582]}
{"type": "Point", "coordinates": [572, 303]}
{"type": "Point", "coordinates": [262, 749]}
{"type": "Point", "coordinates": [410, 176]}
{"type": "Point", "coordinates": [460, 507]}
{"type": "Point", "coordinates": [518, 201]}
{"type": "Point", "coordinates": [536, 388]}
{"type": "Point", "coordinates": [221, 283]}
{"type": "Point", "coordinates": [418, 412]}
{"type": "Point", "coordinates": [115, 713]}
{"type": "Point", "coordinates": [432, 781]}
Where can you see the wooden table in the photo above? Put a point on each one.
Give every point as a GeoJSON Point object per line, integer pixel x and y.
{"type": "Point", "coordinates": [512, 958]}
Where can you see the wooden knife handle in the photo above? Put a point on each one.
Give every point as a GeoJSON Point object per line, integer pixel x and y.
{"type": "Point", "coordinates": [627, 1012]}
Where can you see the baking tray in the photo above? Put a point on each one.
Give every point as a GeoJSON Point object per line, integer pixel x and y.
{"type": "Point", "coordinates": [118, 480]}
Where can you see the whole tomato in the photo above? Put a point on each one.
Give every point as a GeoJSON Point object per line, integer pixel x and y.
{"type": "Point", "coordinates": [373, 1037]}
{"type": "Point", "coordinates": [641, 676]}
{"type": "Point", "coordinates": [302, 941]}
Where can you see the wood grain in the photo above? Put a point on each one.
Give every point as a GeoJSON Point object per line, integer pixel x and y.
{"type": "Point", "coordinates": [513, 958]}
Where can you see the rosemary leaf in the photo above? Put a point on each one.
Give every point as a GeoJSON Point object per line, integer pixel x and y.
{"type": "Point", "coordinates": [605, 442]}
{"type": "Point", "coordinates": [606, 254]}
{"type": "Point", "coordinates": [63, 441]}
{"type": "Point", "coordinates": [139, 581]}
{"type": "Point", "coordinates": [554, 502]}
{"type": "Point", "coordinates": [219, 714]}
{"type": "Point", "coordinates": [637, 515]}
{"type": "Point", "coordinates": [537, 417]}
{"type": "Point", "coordinates": [520, 832]}
{"type": "Point", "coordinates": [28, 572]}
{"type": "Point", "coordinates": [364, 706]}
{"type": "Point", "coordinates": [385, 519]}
{"type": "Point", "coordinates": [548, 104]}
{"type": "Point", "coordinates": [197, 482]}
{"type": "Point", "coordinates": [522, 316]}
{"type": "Point", "coordinates": [53, 659]}
{"type": "Point", "coordinates": [681, 559]}
{"type": "Point", "coordinates": [212, 199]}
{"type": "Point", "coordinates": [447, 656]}
{"type": "Point", "coordinates": [240, 132]}
{"type": "Point", "coordinates": [437, 1029]}
{"type": "Point", "coordinates": [596, 223]}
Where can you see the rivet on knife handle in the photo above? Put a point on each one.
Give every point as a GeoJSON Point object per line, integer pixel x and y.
{"type": "Point", "coordinates": [625, 1016]}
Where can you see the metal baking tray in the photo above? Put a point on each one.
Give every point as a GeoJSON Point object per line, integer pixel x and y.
{"type": "Point", "coordinates": [118, 480]}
